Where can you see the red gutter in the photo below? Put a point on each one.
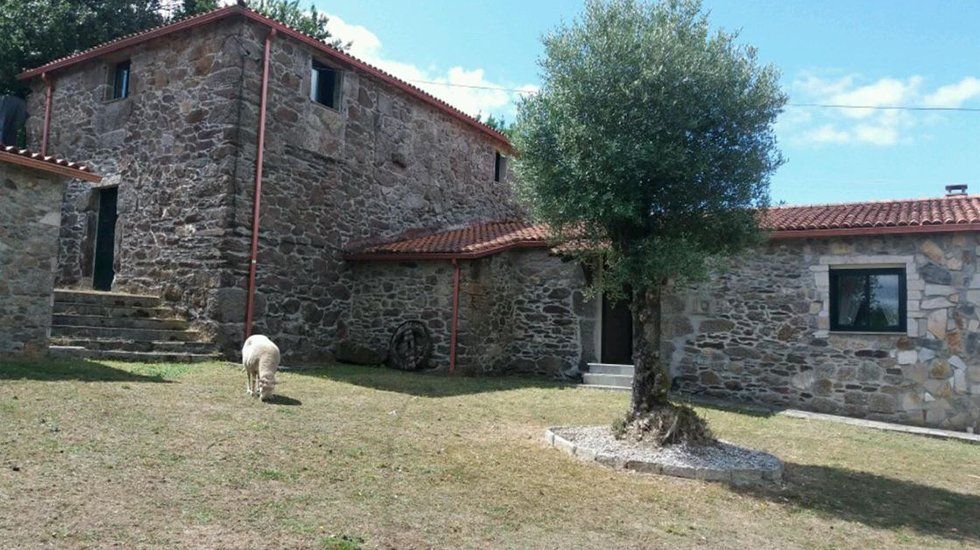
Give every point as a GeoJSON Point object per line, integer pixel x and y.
{"type": "Point", "coordinates": [256, 203]}
{"type": "Point", "coordinates": [455, 322]}
{"type": "Point", "coordinates": [47, 113]}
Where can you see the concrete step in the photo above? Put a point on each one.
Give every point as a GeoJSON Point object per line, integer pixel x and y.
{"type": "Point", "coordinates": [129, 345]}
{"type": "Point", "coordinates": [618, 380]}
{"type": "Point", "coordinates": [106, 298]}
{"type": "Point", "coordinates": [120, 333]}
{"type": "Point", "coordinates": [118, 322]}
{"type": "Point", "coordinates": [127, 312]}
{"type": "Point", "coordinates": [610, 368]}
{"type": "Point", "coordinates": [134, 356]}
{"type": "Point", "coordinates": [600, 387]}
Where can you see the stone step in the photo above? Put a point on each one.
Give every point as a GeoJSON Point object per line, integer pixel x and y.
{"type": "Point", "coordinates": [120, 333]}
{"type": "Point", "coordinates": [128, 312]}
{"type": "Point", "coordinates": [618, 380]}
{"type": "Point", "coordinates": [118, 322]}
{"type": "Point", "coordinates": [106, 298]}
{"type": "Point", "coordinates": [600, 387]}
{"type": "Point", "coordinates": [610, 368]}
{"type": "Point", "coordinates": [129, 345]}
{"type": "Point", "coordinates": [133, 356]}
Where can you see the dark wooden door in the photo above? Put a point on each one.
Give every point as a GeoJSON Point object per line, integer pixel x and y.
{"type": "Point", "coordinates": [617, 332]}
{"type": "Point", "coordinates": [105, 239]}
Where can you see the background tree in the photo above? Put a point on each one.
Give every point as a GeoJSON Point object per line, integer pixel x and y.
{"type": "Point", "coordinates": [651, 141]}
{"type": "Point", "coordinates": [180, 9]}
{"type": "Point", "coordinates": [309, 21]}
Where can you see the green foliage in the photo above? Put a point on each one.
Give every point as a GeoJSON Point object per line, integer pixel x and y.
{"type": "Point", "coordinates": [180, 9]}
{"type": "Point", "coordinates": [309, 21]}
{"type": "Point", "coordinates": [498, 124]}
{"type": "Point", "coordinates": [33, 32]}
{"type": "Point", "coordinates": [651, 139]}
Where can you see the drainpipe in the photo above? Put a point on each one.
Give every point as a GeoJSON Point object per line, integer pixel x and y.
{"type": "Point", "coordinates": [455, 321]}
{"type": "Point", "coordinates": [47, 113]}
{"type": "Point", "coordinates": [259, 159]}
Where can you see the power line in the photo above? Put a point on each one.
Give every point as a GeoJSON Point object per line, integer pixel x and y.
{"type": "Point", "coordinates": [798, 105]}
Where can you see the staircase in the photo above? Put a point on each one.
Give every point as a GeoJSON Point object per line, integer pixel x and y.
{"type": "Point", "coordinates": [125, 327]}
{"type": "Point", "coordinates": [607, 376]}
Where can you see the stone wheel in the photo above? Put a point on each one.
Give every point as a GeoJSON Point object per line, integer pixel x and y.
{"type": "Point", "coordinates": [411, 347]}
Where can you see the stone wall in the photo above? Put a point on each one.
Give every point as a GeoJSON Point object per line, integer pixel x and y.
{"type": "Point", "coordinates": [759, 331]}
{"type": "Point", "coordinates": [519, 311]}
{"type": "Point", "coordinates": [182, 150]}
{"type": "Point", "coordinates": [381, 164]}
{"type": "Point", "coordinates": [30, 213]}
{"type": "Point", "coordinates": [170, 147]}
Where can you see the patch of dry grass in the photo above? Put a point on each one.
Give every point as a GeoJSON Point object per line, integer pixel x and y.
{"type": "Point", "coordinates": [94, 454]}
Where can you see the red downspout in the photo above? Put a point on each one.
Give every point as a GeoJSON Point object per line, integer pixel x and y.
{"type": "Point", "coordinates": [47, 114]}
{"type": "Point", "coordinates": [455, 322]}
{"type": "Point", "coordinates": [259, 159]}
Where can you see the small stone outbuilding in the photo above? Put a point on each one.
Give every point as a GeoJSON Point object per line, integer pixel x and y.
{"type": "Point", "coordinates": [31, 188]}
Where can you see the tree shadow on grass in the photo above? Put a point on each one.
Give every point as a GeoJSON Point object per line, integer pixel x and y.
{"type": "Point", "coordinates": [81, 370]}
{"type": "Point", "coordinates": [876, 501]}
{"type": "Point", "coordinates": [426, 383]}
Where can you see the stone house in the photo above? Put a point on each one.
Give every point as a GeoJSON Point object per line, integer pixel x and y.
{"type": "Point", "coordinates": [379, 223]}
{"type": "Point", "coordinates": [31, 186]}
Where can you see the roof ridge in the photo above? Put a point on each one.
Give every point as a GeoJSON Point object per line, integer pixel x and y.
{"type": "Point", "coordinates": [871, 202]}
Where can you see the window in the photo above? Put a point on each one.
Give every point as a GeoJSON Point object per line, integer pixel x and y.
{"type": "Point", "coordinates": [499, 166]}
{"type": "Point", "coordinates": [325, 88]}
{"type": "Point", "coordinates": [867, 300]}
{"type": "Point", "coordinates": [120, 80]}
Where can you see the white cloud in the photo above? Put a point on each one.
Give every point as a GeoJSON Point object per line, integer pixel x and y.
{"type": "Point", "coordinates": [955, 95]}
{"type": "Point", "coordinates": [469, 91]}
{"type": "Point", "coordinates": [873, 126]}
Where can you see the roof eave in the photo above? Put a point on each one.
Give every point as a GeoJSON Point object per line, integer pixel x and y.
{"type": "Point", "coordinates": [439, 256]}
{"type": "Point", "coordinates": [871, 231]}
{"type": "Point", "coordinates": [50, 167]}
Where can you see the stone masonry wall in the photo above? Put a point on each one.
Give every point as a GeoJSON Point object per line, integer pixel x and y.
{"type": "Point", "coordinates": [30, 213]}
{"type": "Point", "coordinates": [759, 331]}
{"type": "Point", "coordinates": [519, 311]}
{"type": "Point", "coordinates": [381, 164]}
{"type": "Point", "coordinates": [170, 147]}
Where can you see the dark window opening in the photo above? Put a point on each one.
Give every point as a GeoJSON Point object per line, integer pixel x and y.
{"type": "Point", "coordinates": [868, 300]}
{"type": "Point", "coordinates": [325, 88]}
{"type": "Point", "coordinates": [499, 166]}
{"type": "Point", "coordinates": [120, 80]}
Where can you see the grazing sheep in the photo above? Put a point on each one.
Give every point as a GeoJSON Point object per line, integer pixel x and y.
{"type": "Point", "coordinates": [260, 357]}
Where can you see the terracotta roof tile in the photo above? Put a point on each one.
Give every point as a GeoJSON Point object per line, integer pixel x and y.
{"type": "Point", "coordinates": [897, 216]}
{"type": "Point", "coordinates": [25, 157]}
{"type": "Point", "coordinates": [222, 13]}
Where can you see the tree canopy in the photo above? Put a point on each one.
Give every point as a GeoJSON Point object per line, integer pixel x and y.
{"type": "Point", "coordinates": [652, 140]}
{"type": "Point", "coordinates": [34, 32]}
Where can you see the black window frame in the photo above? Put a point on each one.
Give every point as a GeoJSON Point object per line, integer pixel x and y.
{"type": "Point", "coordinates": [120, 89]}
{"type": "Point", "coordinates": [902, 326]}
{"type": "Point", "coordinates": [499, 166]}
{"type": "Point", "coordinates": [315, 69]}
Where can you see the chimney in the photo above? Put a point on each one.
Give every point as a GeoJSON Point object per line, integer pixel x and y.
{"type": "Point", "coordinates": [956, 190]}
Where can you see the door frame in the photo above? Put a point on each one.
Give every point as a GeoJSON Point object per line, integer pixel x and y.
{"type": "Point", "coordinates": [95, 242]}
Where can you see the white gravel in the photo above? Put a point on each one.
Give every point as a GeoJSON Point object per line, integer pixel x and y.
{"type": "Point", "coordinates": [720, 462]}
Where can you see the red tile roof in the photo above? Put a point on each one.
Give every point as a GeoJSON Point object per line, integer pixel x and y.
{"type": "Point", "coordinates": [473, 241]}
{"type": "Point", "coordinates": [946, 214]}
{"type": "Point", "coordinates": [23, 157]}
{"type": "Point", "coordinates": [951, 213]}
{"type": "Point", "coordinates": [222, 13]}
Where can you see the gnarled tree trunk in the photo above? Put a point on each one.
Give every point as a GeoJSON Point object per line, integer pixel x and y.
{"type": "Point", "coordinates": [651, 378]}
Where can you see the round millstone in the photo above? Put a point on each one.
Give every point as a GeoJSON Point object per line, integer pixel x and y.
{"type": "Point", "coordinates": [722, 461]}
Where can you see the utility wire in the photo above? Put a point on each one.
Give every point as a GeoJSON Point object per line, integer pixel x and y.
{"type": "Point", "coordinates": [800, 105]}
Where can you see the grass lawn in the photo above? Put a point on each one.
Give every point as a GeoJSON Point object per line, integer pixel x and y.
{"type": "Point", "coordinates": [95, 454]}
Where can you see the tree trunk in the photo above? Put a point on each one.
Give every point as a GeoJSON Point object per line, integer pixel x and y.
{"type": "Point", "coordinates": [651, 380]}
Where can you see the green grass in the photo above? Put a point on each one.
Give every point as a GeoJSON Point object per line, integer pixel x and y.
{"type": "Point", "coordinates": [102, 453]}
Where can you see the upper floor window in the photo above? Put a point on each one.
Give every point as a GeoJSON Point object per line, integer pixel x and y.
{"type": "Point", "coordinates": [499, 166]}
{"type": "Point", "coordinates": [325, 88]}
{"type": "Point", "coordinates": [120, 80]}
{"type": "Point", "coordinates": [867, 300]}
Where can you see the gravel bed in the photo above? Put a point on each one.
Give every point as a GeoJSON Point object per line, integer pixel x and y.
{"type": "Point", "coordinates": [720, 462]}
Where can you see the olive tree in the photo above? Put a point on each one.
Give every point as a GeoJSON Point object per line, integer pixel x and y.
{"type": "Point", "coordinates": [651, 144]}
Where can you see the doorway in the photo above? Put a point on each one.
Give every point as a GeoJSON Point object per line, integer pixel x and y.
{"type": "Point", "coordinates": [105, 239]}
{"type": "Point", "coordinates": [617, 332]}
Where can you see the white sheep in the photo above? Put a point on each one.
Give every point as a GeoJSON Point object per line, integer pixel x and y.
{"type": "Point", "coordinates": [260, 359]}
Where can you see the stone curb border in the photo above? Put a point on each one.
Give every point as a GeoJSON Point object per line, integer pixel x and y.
{"type": "Point", "coordinates": [735, 476]}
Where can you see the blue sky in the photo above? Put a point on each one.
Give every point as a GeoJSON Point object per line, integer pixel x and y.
{"type": "Point", "coordinates": [852, 52]}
